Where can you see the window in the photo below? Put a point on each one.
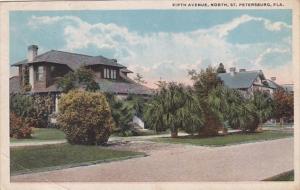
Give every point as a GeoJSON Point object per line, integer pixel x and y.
{"type": "Point", "coordinates": [106, 73]}
{"type": "Point", "coordinates": [110, 73]}
{"type": "Point", "coordinates": [113, 74]}
{"type": "Point", "coordinates": [39, 73]}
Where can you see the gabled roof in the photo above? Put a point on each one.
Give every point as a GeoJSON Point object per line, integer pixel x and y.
{"type": "Point", "coordinates": [125, 70]}
{"type": "Point", "coordinates": [273, 84]}
{"type": "Point", "coordinates": [240, 80]}
{"type": "Point", "coordinates": [73, 60]}
{"type": "Point", "coordinates": [288, 87]}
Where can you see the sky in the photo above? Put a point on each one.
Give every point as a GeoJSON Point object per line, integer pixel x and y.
{"type": "Point", "coordinates": [163, 44]}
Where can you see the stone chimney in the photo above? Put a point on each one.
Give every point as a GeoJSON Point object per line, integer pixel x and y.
{"type": "Point", "coordinates": [242, 70]}
{"type": "Point", "coordinates": [273, 78]}
{"type": "Point", "coordinates": [32, 52]}
{"type": "Point", "coordinates": [232, 71]}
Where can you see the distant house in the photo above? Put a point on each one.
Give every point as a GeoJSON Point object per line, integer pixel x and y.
{"type": "Point", "coordinates": [248, 81]}
{"type": "Point", "coordinates": [289, 88]}
{"type": "Point", "coordinates": [45, 69]}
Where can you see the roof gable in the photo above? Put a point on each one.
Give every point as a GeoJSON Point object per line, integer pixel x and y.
{"type": "Point", "coordinates": [240, 80]}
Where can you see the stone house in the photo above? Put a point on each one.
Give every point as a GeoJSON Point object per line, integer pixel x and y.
{"type": "Point", "coordinates": [45, 69]}
{"type": "Point", "coordinates": [248, 81]}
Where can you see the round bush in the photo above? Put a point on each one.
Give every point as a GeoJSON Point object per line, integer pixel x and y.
{"type": "Point", "coordinates": [20, 127]}
{"type": "Point", "coordinates": [85, 117]}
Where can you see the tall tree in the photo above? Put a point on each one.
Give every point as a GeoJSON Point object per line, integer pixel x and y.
{"type": "Point", "coordinates": [173, 107]}
{"type": "Point", "coordinates": [283, 105]}
{"type": "Point", "coordinates": [139, 79]}
{"type": "Point", "coordinates": [204, 82]}
{"type": "Point", "coordinates": [221, 68]}
{"type": "Point", "coordinates": [122, 113]}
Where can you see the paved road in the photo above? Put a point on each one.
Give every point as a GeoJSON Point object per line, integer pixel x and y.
{"type": "Point", "coordinates": [245, 162]}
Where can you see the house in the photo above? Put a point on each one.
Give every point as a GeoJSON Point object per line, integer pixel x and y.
{"type": "Point", "coordinates": [45, 69]}
{"type": "Point", "coordinates": [247, 81]}
{"type": "Point", "coordinates": [289, 88]}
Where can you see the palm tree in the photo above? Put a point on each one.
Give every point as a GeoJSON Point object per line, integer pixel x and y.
{"type": "Point", "coordinates": [261, 106]}
{"type": "Point", "coordinates": [173, 107]}
{"type": "Point", "coordinates": [231, 106]}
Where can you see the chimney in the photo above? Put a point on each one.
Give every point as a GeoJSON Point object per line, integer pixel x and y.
{"type": "Point", "coordinates": [273, 78]}
{"type": "Point", "coordinates": [232, 71]}
{"type": "Point", "coordinates": [242, 70]}
{"type": "Point", "coordinates": [32, 52]}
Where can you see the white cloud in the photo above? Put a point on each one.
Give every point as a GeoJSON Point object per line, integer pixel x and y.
{"type": "Point", "coordinates": [223, 30]}
{"type": "Point", "coordinates": [166, 55]}
{"type": "Point", "coordinates": [258, 60]}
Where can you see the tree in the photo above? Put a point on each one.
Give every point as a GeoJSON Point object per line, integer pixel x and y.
{"type": "Point", "coordinates": [221, 68]}
{"type": "Point", "coordinates": [263, 106]}
{"type": "Point", "coordinates": [122, 113]}
{"type": "Point", "coordinates": [67, 82]}
{"type": "Point", "coordinates": [25, 85]}
{"type": "Point", "coordinates": [139, 79]}
{"type": "Point", "coordinates": [231, 107]}
{"type": "Point", "coordinates": [204, 82]}
{"type": "Point", "coordinates": [81, 78]}
{"type": "Point", "coordinates": [22, 105]}
{"type": "Point", "coordinates": [283, 105]}
{"type": "Point", "coordinates": [173, 107]}
{"type": "Point", "coordinates": [85, 117]}
{"type": "Point", "coordinates": [137, 103]}
{"type": "Point", "coordinates": [238, 111]}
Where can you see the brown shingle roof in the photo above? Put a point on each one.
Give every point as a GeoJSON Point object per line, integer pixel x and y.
{"type": "Point", "coordinates": [124, 87]}
{"type": "Point", "coordinates": [73, 60]}
{"type": "Point", "coordinates": [125, 70]}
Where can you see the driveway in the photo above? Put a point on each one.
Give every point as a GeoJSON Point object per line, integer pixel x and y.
{"type": "Point", "coordinates": [170, 162]}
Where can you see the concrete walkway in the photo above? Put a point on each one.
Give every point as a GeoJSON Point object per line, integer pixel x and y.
{"type": "Point", "coordinates": [36, 143]}
{"type": "Point", "coordinates": [244, 162]}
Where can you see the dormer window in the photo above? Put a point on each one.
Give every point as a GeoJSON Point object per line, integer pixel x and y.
{"type": "Point", "coordinates": [110, 74]}
{"type": "Point", "coordinates": [106, 73]}
{"type": "Point", "coordinates": [113, 74]}
{"type": "Point", "coordinates": [39, 75]}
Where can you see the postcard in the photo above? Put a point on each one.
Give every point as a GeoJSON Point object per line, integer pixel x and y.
{"type": "Point", "coordinates": [150, 95]}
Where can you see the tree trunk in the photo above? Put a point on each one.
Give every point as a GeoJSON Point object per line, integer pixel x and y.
{"type": "Point", "coordinates": [174, 133]}
{"type": "Point", "coordinates": [281, 122]}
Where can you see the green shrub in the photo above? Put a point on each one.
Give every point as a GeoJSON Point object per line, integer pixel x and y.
{"type": "Point", "coordinates": [20, 127]}
{"type": "Point", "coordinates": [42, 110]}
{"type": "Point", "coordinates": [122, 114]}
{"type": "Point", "coordinates": [22, 105]}
{"type": "Point", "coordinates": [85, 117]}
{"type": "Point", "coordinates": [35, 108]}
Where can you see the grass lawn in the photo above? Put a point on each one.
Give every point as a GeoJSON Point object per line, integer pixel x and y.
{"type": "Point", "coordinates": [287, 176]}
{"type": "Point", "coordinates": [225, 140]}
{"type": "Point", "coordinates": [42, 134]}
{"type": "Point", "coordinates": [50, 157]}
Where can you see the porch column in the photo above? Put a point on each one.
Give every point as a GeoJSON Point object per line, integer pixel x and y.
{"type": "Point", "coordinates": [56, 103]}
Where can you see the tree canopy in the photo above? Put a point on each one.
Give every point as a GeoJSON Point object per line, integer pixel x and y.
{"type": "Point", "coordinates": [221, 68]}
{"type": "Point", "coordinates": [81, 78]}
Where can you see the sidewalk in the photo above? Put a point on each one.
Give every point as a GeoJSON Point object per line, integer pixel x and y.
{"type": "Point", "coordinates": [36, 143]}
